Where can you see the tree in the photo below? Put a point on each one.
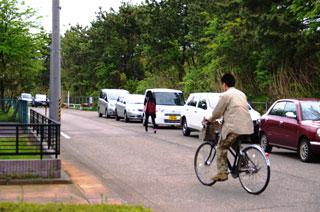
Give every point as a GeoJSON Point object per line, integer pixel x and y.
{"type": "Point", "coordinates": [21, 55]}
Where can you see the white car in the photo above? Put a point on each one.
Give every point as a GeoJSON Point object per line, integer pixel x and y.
{"type": "Point", "coordinates": [130, 107]}
{"type": "Point", "coordinates": [169, 103]}
{"type": "Point", "coordinates": [107, 101]}
{"type": "Point", "coordinates": [201, 105]}
{"type": "Point", "coordinates": [26, 97]}
{"type": "Point", "coordinates": [40, 100]}
{"type": "Point", "coordinates": [198, 105]}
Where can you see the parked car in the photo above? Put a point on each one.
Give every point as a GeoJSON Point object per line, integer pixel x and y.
{"type": "Point", "coordinates": [199, 105]}
{"type": "Point", "coordinates": [255, 116]}
{"type": "Point", "coordinates": [40, 100]}
{"type": "Point", "coordinates": [169, 103]}
{"type": "Point", "coordinates": [107, 101]}
{"type": "Point", "coordinates": [130, 107]}
{"type": "Point", "coordinates": [26, 97]}
{"type": "Point", "coordinates": [292, 124]}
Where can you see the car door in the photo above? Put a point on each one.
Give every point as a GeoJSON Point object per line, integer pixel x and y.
{"type": "Point", "coordinates": [272, 124]}
{"type": "Point", "coordinates": [121, 107]}
{"type": "Point", "coordinates": [190, 111]}
{"type": "Point", "coordinates": [102, 103]}
{"type": "Point", "coordinates": [289, 126]}
{"type": "Point", "coordinates": [200, 113]}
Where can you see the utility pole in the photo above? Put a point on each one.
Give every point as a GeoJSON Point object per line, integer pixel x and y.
{"type": "Point", "coordinates": [55, 65]}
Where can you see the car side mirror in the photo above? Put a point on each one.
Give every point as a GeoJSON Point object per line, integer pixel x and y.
{"type": "Point", "coordinates": [291, 115]}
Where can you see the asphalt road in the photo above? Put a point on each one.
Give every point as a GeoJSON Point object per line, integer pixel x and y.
{"type": "Point", "coordinates": [156, 170]}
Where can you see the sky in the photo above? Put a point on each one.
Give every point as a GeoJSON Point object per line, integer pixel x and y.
{"type": "Point", "coordinates": [73, 11]}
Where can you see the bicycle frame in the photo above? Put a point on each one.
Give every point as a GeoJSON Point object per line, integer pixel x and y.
{"type": "Point", "coordinates": [235, 153]}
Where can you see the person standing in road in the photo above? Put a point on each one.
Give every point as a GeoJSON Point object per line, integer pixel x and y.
{"type": "Point", "coordinates": [150, 110]}
{"type": "Point", "coordinates": [233, 107]}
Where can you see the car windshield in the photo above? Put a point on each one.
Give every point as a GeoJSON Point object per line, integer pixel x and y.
{"type": "Point", "coordinates": [115, 95]}
{"type": "Point", "coordinates": [135, 99]}
{"type": "Point", "coordinates": [213, 100]}
{"type": "Point", "coordinates": [310, 110]}
{"type": "Point", "coordinates": [169, 98]}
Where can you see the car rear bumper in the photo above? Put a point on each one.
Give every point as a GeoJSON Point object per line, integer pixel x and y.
{"type": "Point", "coordinates": [135, 115]}
{"type": "Point", "coordinates": [168, 120]}
{"type": "Point", "coordinates": [111, 111]}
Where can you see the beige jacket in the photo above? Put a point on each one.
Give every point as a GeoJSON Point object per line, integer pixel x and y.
{"type": "Point", "coordinates": [233, 107]}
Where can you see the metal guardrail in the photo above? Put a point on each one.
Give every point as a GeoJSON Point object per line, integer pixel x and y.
{"type": "Point", "coordinates": [80, 100]}
{"type": "Point", "coordinates": [40, 137]}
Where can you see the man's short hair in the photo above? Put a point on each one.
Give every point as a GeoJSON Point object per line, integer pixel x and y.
{"type": "Point", "coordinates": [228, 79]}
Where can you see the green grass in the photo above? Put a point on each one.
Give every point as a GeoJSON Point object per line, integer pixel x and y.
{"type": "Point", "coordinates": [69, 207]}
{"type": "Point", "coordinates": [6, 117]}
{"type": "Point", "coordinates": [23, 144]}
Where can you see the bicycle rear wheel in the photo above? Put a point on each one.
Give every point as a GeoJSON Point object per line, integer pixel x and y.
{"type": "Point", "coordinates": [205, 163]}
{"type": "Point", "coordinates": [254, 169]}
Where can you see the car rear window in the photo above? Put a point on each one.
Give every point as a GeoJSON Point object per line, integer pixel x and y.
{"type": "Point", "coordinates": [169, 98]}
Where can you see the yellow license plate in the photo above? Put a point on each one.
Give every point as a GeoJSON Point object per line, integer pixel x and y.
{"type": "Point", "coordinates": [172, 118]}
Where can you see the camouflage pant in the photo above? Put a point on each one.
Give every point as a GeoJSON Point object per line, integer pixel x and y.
{"type": "Point", "coordinates": [222, 152]}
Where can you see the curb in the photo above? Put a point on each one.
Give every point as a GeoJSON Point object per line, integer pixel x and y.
{"type": "Point", "coordinates": [64, 179]}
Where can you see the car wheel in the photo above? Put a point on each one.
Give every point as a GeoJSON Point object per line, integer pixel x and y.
{"type": "Point", "coordinates": [185, 129]}
{"type": "Point", "coordinates": [116, 114]}
{"type": "Point", "coordinates": [126, 118]}
{"type": "Point", "coordinates": [100, 114]}
{"type": "Point", "coordinates": [304, 151]}
{"type": "Point", "coordinates": [265, 144]}
{"type": "Point", "coordinates": [106, 113]}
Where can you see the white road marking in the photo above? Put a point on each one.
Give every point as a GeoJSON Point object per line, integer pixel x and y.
{"type": "Point", "coordinates": [65, 135]}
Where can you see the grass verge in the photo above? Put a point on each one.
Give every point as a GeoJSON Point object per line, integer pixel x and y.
{"type": "Point", "coordinates": [69, 207]}
{"type": "Point", "coordinates": [7, 145]}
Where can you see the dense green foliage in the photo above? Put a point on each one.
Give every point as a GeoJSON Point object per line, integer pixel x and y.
{"type": "Point", "coordinates": [52, 207]}
{"type": "Point", "coordinates": [271, 46]}
{"type": "Point", "coordinates": [23, 50]}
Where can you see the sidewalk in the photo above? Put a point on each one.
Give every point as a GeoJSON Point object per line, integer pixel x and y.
{"type": "Point", "coordinates": [75, 186]}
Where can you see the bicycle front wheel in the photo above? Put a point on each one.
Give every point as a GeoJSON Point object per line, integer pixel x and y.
{"type": "Point", "coordinates": [205, 163]}
{"type": "Point", "coordinates": [254, 169]}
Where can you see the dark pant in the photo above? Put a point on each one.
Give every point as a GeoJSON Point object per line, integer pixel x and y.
{"type": "Point", "coordinates": [222, 152]}
{"type": "Point", "coordinates": [146, 120]}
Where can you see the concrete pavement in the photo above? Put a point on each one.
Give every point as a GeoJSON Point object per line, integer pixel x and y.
{"type": "Point", "coordinates": [77, 185]}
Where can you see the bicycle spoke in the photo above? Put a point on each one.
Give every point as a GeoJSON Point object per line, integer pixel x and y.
{"type": "Point", "coordinates": [254, 171]}
{"type": "Point", "coordinates": [204, 163]}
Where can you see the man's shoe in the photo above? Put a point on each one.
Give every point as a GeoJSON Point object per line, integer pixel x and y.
{"type": "Point", "coordinates": [220, 177]}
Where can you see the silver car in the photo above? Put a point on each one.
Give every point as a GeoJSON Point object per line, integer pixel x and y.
{"type": "Point", "coordinates": [130, 107]}
{"type": "Point", "coordinates": [107, 101]}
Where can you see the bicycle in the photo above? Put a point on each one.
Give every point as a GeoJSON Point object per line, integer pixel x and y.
{"type": "Point", "coordinates": [250, 164]}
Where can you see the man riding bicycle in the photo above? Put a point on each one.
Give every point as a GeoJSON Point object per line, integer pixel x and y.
{"type": "Point", "coordinates": [233, 107]}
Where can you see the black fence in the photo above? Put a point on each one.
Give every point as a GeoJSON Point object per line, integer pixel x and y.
{"type": "Point", "coordinates": [40, 137]}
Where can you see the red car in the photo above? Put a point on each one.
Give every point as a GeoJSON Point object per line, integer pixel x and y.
{"type": "Point", "coordinates": [292, 124]}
